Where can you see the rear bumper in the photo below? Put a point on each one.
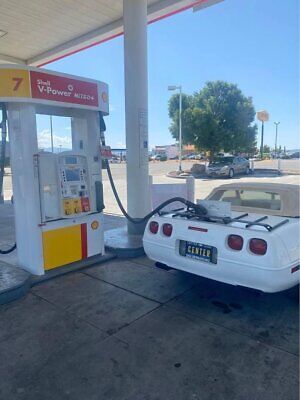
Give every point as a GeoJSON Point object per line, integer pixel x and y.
{"type": "Point", "coordinates": [267, 279]}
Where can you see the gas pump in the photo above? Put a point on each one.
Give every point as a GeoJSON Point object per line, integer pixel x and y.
{"type": "Point", "coordinates": [58, 197]}
{"type": "Point", "coordinates": [64, 185]}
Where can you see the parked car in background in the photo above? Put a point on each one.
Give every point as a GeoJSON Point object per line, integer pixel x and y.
{"type": "Point", "coordinates": [228, 166]}
{"type": "Point", "coordinates": [114, 159]}
{"type": "Point", "coordinates": [285, 156]}
{"type": "Point", "coordinates": [159, 157]}
{"type": "Point", "coordinates": [295, 155]}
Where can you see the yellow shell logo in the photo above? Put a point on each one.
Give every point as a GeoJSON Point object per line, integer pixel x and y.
{"type": "Point", "coordinates": [95, 225]}
{"type": "Point", "coordinates": [104, 97]}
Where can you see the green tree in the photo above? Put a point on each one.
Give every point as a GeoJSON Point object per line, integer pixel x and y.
{"type": "Point", "coordinates": [218, 117]}
{"type": "Point", "coordinates": [266, 149]}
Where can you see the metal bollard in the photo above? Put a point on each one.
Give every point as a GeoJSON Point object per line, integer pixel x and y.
{"type": "Point", "coordinates": [190, 188]}
{"type": "Point", "coordinates": [279, 166]}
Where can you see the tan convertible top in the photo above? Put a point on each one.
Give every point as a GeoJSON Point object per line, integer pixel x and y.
{"type": "Point", "coordinates": [289, 195]}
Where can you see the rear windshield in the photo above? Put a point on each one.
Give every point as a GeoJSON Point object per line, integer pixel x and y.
{"type": "Point", "coordinates": [250, 198]}
{"type": "Point", "coordinates": [222, 160]}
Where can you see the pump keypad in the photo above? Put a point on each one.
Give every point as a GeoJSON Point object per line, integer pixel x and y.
{"type": "Point", "coordinates": [74, 184]}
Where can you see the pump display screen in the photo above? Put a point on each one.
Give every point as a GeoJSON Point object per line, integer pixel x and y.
{"type": "Point", "coordinates": [72, 175]}
{"type": "Point", "coordinates": [71, 160]}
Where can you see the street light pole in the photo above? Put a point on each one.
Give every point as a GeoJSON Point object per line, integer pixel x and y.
{"type": "Point", "coordinates": [180, 129]}
{"type": "Point", "coordinates": [262, 116]}
{"type": "Point", "coordinates": [180, 123]}
{"type": "Point", "coordinates": [262, 140]}
{"type": "Point", "coordinates": [276, 124]}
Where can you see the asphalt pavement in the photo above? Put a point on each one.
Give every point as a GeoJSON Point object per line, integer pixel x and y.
{"type": "Point", "coordinates": [159, 170]}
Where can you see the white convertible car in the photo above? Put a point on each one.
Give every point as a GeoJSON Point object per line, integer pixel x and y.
{"type": "Point", "coordinates": [249, 237]}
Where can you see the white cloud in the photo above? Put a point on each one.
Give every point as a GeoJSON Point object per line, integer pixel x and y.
{"type": "Point", "coordinates": [44, 140]}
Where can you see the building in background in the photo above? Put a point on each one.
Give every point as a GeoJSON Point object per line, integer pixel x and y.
{"type": "Point", "coordinates": [171, 151]}
{"type": "Point", "coordinates": [188, 149]}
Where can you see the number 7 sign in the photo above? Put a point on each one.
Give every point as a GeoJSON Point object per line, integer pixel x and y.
{"type": "Point", "coordinates": [14, 83]}
{"type": "Point", "coordinates": [17, 82]}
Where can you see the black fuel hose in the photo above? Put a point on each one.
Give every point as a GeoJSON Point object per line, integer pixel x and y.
{"type": "Point", "coordinates": [199, 210]}
{"type": "Point", "coordinates": [9, 250]}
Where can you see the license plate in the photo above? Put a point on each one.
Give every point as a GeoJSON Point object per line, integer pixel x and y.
{"type": "Point", "coordinates": [198, 251]}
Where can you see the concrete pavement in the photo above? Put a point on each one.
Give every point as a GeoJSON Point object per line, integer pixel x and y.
{"type": "Point", "coordinates": [127, 330]}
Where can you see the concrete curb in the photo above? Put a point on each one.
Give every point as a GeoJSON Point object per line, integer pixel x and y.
{"type": "Point", "coordinates": [74, 267]}
{"type": "Point", "coordinates": [256, 172]}
{"type": "Point", "coordinates": [170, 175]}
{"type": "Point", "coordinates": [15, 282]}
{"type": "Point", "coordinates": [123, 245]}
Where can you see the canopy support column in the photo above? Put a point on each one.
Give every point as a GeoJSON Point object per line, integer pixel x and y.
{"type": "Point", "coordinates": [136, 110]}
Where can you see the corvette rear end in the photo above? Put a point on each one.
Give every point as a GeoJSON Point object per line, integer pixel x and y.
{"type": "Point", "coordinates": [246, 249]}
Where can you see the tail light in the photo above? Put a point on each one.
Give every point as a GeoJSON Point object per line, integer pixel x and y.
{"type": "Point", "coordinates": [295, 268]}
{"type": "Point", "coordinates": [235, 242]}
{"type": "Point", "coordinates": [153, 227]}
{"type": "Point", "coordinates": [167, 229]}
{"type": "Point", "coordinates": [258, 246]}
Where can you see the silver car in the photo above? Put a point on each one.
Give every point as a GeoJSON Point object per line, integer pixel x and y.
{"type": "Point", "coordinates": [228, 166]}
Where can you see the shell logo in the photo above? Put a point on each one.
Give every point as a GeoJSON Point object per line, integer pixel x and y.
{"type": "Point", "coordinates": [95, 225]}
{"type": "Point", "coordinates": [104, 97]}
{"type": "Point", "coordinates": [263, 116]}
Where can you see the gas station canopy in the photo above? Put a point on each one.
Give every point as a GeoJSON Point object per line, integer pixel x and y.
{"type": "Point", "coordinates": [36, 32]}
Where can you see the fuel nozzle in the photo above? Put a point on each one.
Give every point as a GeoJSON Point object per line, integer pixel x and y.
{"type": "Point", "coordinates": [197, 208]}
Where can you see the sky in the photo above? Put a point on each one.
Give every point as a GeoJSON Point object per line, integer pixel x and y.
{"type": "Point", "coordinates": [253, 43]}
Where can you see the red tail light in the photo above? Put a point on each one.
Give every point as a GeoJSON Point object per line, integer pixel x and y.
{"type": "Point", "coordinates": [167, 229]}
{"type": "Point", "coordinates": [258, 246]}
{"type": "Point", "coordinates": [295, 269]}
{"type": "Point", "coordinates": [235, 242]}
{"type": "Point", "coordinates": [153, 227]}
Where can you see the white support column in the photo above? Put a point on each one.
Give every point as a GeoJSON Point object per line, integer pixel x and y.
{"type": "Point", "coordinates": [136, 109]}
{"type": "Point", "coordinates": [23, 147]}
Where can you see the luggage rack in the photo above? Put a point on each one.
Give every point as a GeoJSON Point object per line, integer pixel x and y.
{"type": "Point", "coordinates": [190, 214]}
